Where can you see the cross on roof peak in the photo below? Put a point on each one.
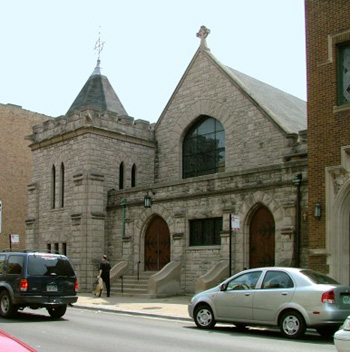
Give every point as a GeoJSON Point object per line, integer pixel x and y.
{"type": "Point", "coordinates": [99, 46]}
{"type": "Point", "coordinates": [203, 33]}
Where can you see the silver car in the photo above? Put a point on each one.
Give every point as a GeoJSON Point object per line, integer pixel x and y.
{"type": "Point", "coordinates": [291, 298]}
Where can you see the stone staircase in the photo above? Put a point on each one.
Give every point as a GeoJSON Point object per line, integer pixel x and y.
{"type": "Point", "coordinates": [130, 285]}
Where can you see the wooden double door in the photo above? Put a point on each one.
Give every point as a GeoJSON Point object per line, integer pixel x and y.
{"type": "Point", "coordinates": [262, 239]}
{"type": "Point", "coordinates": [157, 245]}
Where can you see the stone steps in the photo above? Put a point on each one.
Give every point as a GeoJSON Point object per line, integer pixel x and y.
{"type": "Point", "coordinates": [132, 285]}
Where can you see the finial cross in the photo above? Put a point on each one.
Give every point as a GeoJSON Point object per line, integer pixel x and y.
{"type": "Point", "coordinates": [203, 33]}
{"type": "Point", "coordinates": [99, 45]}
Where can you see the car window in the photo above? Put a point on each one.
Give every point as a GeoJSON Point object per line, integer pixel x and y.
{"type": "Point", "coordinates": [15, 264]}
{"type": "Point", "coordinates": [319, 278]}
{"type": "Point", "coordinates": [3, 267]}
{"type": "Point", "coordinates": [277, 279]}
{"type": "Point", "coordinates": [245, 281]}
{"type": "Point", "coordinates": [49, 265]}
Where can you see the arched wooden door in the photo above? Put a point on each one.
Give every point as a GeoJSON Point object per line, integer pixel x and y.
{"type": "Point", "coordinates": [157, 245]}
{"type": "Point", "coordinates": [262, 239]}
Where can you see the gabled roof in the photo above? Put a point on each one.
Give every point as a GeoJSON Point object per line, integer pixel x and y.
{"type": "Point", "coordinates": [97, 94]}
{"type": "Point", "coordinates": [286, 110]}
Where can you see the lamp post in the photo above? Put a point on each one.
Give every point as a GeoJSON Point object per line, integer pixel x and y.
{"type": "Point", "coordinates": [297, 182]}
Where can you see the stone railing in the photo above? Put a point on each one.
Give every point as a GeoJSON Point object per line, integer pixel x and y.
{"type": "Point", "coordinates": [166, 281]}
{"type": "Point", "coordinates": [213, 277]}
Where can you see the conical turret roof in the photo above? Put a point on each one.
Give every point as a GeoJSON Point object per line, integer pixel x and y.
{"type": "Point", "coordinates": [97, 94]}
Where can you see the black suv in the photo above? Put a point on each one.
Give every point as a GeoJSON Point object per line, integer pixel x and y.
{"type": "Point", "coordinates": [36, 280]}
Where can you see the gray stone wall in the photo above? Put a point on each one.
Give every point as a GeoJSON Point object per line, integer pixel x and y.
{"type": "Point", "coordinates": [91, 161]}
{"type": "Point", "coordinates": [252, 139]}
{"type": "Point", "coordinates": [210, 196]}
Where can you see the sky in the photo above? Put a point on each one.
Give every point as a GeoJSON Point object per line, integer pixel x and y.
{"type": "Point", "coordinates": [47, 48]}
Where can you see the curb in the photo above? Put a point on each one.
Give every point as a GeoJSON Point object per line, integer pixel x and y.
{"type": "Point", "coordinates": [131, 312]}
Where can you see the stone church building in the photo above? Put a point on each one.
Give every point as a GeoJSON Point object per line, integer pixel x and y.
{"type": "Point", "coordinates": [158, 198]}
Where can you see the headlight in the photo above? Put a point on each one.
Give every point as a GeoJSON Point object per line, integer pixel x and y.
{"type": "Point", "coordinates": [346, 324]}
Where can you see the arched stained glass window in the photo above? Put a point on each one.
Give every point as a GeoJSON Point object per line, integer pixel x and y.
{"type": "Point", "coordinates": [203, 150]}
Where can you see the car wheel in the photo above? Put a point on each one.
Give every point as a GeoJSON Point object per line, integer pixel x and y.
{"type": "Point", "coordinates": [57, 312]}
{"type": "Point", "coordinates": [204, 317]}
{"type": "Point", "coordinates": [7, 309]}
{"type": "Point", "coordinates": [327, 331]}
{"type": "Point", "coordinates": [292, 324]}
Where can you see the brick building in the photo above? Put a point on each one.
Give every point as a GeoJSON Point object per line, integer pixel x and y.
{"type": "Point", "coordinates": [328, 69]}
{"type": "Point", "coordinates": [157, 198]}
{"type": "Point", "coordinates": [15, 169]}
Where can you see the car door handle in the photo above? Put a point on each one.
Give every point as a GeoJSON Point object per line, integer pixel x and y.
{"type": "Point", "coordinates": [284, 293]}
{"type": "Point", "coordinates": [247, 294]}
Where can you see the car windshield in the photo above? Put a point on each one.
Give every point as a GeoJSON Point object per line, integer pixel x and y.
{"type": "Point", "coordinates": [49, 265]}
{"type": "Point", "coordinates": [319, 278]}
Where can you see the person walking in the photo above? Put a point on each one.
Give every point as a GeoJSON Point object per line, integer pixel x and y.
{"type": "Point", "coordinates": [104, 270]}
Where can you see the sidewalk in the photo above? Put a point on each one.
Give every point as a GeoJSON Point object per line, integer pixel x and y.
{"type": "Point", "coordinates": [168, 307]}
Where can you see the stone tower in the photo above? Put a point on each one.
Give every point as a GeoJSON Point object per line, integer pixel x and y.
{"type": "Point", "coordinates": [77, 159]}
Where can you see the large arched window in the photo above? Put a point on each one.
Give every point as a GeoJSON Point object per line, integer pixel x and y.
{"type": "Point", "coordinates": [203, 150]}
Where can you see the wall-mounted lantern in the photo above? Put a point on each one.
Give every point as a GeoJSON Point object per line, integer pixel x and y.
{"type": "Point", "coordinates": [317, 210]}
{"type": "Point", "coordinates": [147, 201]}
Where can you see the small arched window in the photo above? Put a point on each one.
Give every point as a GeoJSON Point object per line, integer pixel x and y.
{"type": "Point", "coordinates": [121, 175]}
{"type": "Point", "coordinates": [62, 185]}
{"type": "Point", "coordinates": [133, 176]}
{"type": "Point", "coordinates": [203, 150]}
{"type": "Point", "coordinates": [53, 187]}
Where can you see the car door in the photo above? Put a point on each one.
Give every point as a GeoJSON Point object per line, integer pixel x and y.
{"type": "Point", "coordinates": [235, 301]}
{"type": "Point", "coordinates": [277, 289]}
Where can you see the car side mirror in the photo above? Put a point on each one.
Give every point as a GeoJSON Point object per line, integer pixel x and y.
{"type": "Point", "coordinates": [223, 287]}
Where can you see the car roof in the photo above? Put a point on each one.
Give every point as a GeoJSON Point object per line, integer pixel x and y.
{"type": "Point", "coordinates": [30, 252]}
{"type": "Point", "coordinates": [277, 268]}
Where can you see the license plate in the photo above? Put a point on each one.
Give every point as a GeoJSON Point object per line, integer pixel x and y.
{"type": "Point", "coordinates": [51, 288]}
{"type": "Point", "coordinates": [346, 299]}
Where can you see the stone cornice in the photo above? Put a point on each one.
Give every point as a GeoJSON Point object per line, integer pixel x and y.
{"type": "Point", "coordinates": [93, 130]}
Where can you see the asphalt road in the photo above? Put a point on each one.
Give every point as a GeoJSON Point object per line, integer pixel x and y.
{"type": "Point", "coordinates": [96, 331]}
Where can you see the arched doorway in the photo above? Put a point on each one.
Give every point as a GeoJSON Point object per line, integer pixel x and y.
{"type": "Point", "coordinates": [157, 245]}
{"type": "Point", "coordinates": [262, 239]}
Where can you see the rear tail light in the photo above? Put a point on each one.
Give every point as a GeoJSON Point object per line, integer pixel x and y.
{"type": "Point", "coordinates": [23, 285]}
{"type": "Point", "coordinates": [328, 297]}
{"type": "Point", "coordinates": [76, 286]}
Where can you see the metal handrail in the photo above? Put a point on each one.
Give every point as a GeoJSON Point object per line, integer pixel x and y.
{"type": "Point", "coordinates": [122, 276]}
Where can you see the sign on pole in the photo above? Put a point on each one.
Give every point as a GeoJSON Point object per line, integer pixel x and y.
{"type": "Point", "coordinates": [235, 223]}
{"type": "Point", "coordinates": [14, 238]}
{"type": "Point", "coordinates": [0, 216]}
